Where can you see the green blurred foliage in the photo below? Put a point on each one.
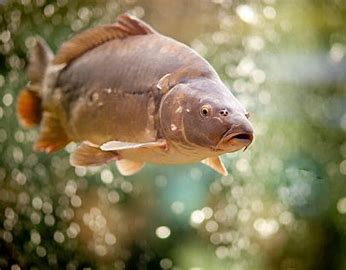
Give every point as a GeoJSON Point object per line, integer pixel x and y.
{"type": "Point", "coordinates": [282, 207]}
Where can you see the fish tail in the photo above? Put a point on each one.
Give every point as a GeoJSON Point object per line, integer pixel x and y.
{"type": "Point", "coordinates": [29, 109]}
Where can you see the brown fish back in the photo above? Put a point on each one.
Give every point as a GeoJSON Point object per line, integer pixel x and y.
{"type": "Point", "coordinates": [125, 26]}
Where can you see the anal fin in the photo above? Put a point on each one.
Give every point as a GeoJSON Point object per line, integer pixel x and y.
{"type": "Point", "coordinates": [127, 167]}
{"type": "Point", "coordinates": [216, 164]}
{"type": "Point", "coordinates": [87, 155]}
{"type": "Point", "coordinates": [52, 135]}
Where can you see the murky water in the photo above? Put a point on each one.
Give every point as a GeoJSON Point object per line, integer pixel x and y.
{"type": "Point", "coordinates": [283, 205]}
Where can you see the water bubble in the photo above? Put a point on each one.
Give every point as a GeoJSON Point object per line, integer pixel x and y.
{"type": "Point", "coordinates": [40, 3]}
{"type": "Point", "coordinates": [3, 135]}
{"type": "Point", "coordinates": [266, 228]}
{"type": "Point", "coordinates": [73, 230]}
{"type": "Point", "coordinates": [257, 206]}
{"type": "Point", "coordinates": [199, 47]}
{"type": "Point", "coordinates": [196, 174]}
{"type": "Point", "coordinates": [67, 214]}
{"type": "Point", "coordinates": [161, 181]}
{"type": "Point", "coordinates": [37, 203]}
{"type": "Point", "coordinates": [107, 176]}
{"type": "Point", "coordinates": [49, 220]}
{"type": "Point", "coordinates": [243, 165]}
{"type": "Point", "coordinates": [207, 212]}
{"type": "Point", "coordinates": [80, 171]}
{"type": "Point", "coordinates": [247, 14]}
{"type": "Point", "coordinates": [71, 188]}
{"type": "Point", "coordinates": [166, 263]}
{"type": "Point", "coordinates": [7, 236]}
{"type": "Point", "coordinates": [341, 205]}
{"type": "Point", "coordinates": [113, 196]}
{"type": "Point", "coordinates": [222, 252]}
{"type": "Point", "coordinates": [286, 218]}
{"type": "Point", "coordinates": [100, 250]}
{"type": "Point", "coordinates": [245, 66]}
{"type": "Point", "coordinates": [138, 11]}
{"type": "Point", "coordinates": [126, 186]}
{"type": "Point", "coordinates": [35, 237]}
{"type": "Point", "coordinates": [19, 136]}
{"type": "Point", "coordinates": [337, 52]}
{"type": "Point", "coordinates": [47, 208]}
{"type": "Point", "coordinates": [178, 207]}
{"type": "Point", "coordinates": [211, 226]}
{"type": "Point", "coordinates": [23, 198]}
{"type": "Point", "coordinates": [264, 97]}
{"type": "Point", "coordinates": [19, 177]}
{"type": "Point", "coordinates": [163, 232]}
{"type": "Point", "coordinates": [35, 218]}
{"type": "Point", "coordinates": [269, 12]}
{"type": "Point", "coordinates": [9, 213]}
{"type": "Point", "coordinates": [197, 217]}
{"type": "Point", "coordinates": [76, 26]}
{"type": "Point", "coordinates": [15, 267]}
{"type": "Point", "coordinates": [220, 37]}
{"type": "Point", "coordinates": [215, 238]}
{"type": "Point", "coordinates": [342, 167]}
{"type": "Point", "coordinates": [258, 76]}
{"type": "Point", "coordinates": [84, 13]}
{"type": "Point", "coordinates": [41, 251]}
{"type": "Point", "coordinates": [59, 237]}
{"type": "Point", "coordinates": [76, 201]}
{"type": "Point", "coordinates": [110, 239]}
{"type": "Point", "coordinates": [5, 36]}
{"type": "Point", "coordinates": [7, 99]}
{"type": "Point", "coordinates": [244, 215]}
{"type": "Point", "coordinates": [62, 3]}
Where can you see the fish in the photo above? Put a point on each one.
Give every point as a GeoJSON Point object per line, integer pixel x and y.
{"type": "Point", "coordinates": [130, 95]}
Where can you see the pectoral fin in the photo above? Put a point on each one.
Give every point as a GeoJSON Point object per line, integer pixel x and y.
{"type": "Point", "coordinates": [117, 145]}
{"type": "Point", "coordinates": [127, 167]}
{"type": "Point", "coordinates": [216, 164]}
{"type": "Point", "coordinates": [88, 155]}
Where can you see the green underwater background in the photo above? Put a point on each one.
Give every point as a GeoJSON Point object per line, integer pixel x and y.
{"type": "Point", "coordinates": [283, 206]}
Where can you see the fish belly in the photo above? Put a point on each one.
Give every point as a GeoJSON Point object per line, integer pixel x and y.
{"type": "Point", "coordinates": [175, 155]}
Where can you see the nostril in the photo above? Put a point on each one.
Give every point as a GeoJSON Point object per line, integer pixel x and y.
{"type": "Point", "coordinates": [224, 112]}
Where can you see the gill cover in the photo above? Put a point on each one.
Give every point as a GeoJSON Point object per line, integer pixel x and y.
{"type": "Point", "coordinates": [171, 113]}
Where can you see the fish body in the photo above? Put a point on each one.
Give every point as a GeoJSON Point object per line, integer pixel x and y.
{"type": "Point", "coordinates": [130, 94]}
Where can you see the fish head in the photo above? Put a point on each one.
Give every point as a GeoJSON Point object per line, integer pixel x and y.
{"type": "Point", "coordinates": [205, 113]}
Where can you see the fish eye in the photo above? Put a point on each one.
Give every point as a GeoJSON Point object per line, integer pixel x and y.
{"type": "Point", "coordinates": [247, 115]}
{"type": "Point", "coordinates": [205, 110]}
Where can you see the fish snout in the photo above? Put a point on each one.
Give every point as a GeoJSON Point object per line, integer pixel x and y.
{"type": "Point", "coordinates": [239, 135]}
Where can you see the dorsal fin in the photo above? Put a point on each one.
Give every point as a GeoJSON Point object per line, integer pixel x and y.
{"type": "Point", "coordinates": [126, 25]}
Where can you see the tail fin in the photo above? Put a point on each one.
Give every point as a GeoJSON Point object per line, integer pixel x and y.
{"type": "Point", "coordinates": [29, 110]}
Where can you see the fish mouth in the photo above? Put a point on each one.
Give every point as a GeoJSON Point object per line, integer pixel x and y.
{"type": "Point", "coordinates": [234, 141]}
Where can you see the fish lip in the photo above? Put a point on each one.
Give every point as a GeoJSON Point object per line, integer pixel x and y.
{"type": "Point", "coordinates": [244, 138]}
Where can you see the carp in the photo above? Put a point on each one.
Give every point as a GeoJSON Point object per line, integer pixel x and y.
{"type": "Point", "coordinates": [128, 94]}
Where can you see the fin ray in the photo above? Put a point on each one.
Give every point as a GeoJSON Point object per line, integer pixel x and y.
{"type": "Point", "coordinates": [52, 135]}
{"type": "Point", "coordinates": [40, 57]}
{"type": "Point", "coordinates": [125, 25]}
{"type": "Point", "coordinates": [216, 164]}
{"type": "Point", "coordinates": [87, 155]}
{"type": "Point", "coordinates": [128, 167]}
{"type": "Point", "coordinates": [29, 111]}
{"type": "Point", "coordinates": [118, 145]}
